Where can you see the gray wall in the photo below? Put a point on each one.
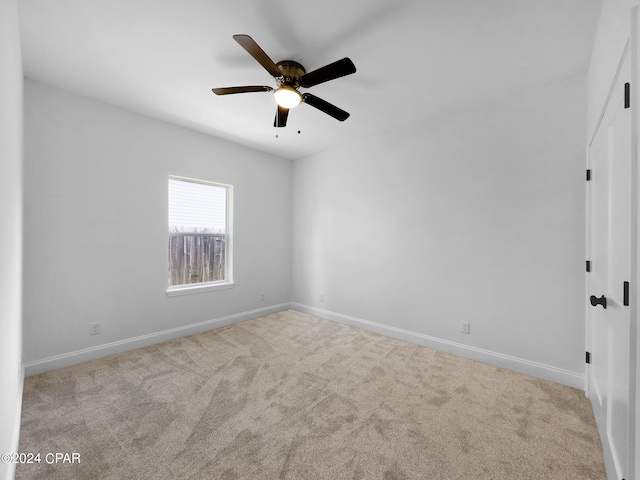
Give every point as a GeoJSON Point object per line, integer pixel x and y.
{"type": "Point", "coordinates": [96, 228]}
{"type": "Point", "coordinates": [11, 235]}
{"type": "Point", "coordinates": [477, 216]}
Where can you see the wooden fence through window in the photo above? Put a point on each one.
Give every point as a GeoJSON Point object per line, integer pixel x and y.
{"type": "Point", "coordinates": [196, 257]}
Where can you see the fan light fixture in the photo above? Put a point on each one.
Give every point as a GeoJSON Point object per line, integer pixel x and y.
{"type": "Point", "coordinates": [287, 97]}
{"type": "Point", "coordinates": [289, 76]}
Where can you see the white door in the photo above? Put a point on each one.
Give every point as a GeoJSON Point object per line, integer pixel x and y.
{"type": "Point", "coordinates": [609, 230]}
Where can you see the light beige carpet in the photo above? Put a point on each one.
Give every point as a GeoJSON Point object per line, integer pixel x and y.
{"type": "Point", "coordinates": [297, 397]}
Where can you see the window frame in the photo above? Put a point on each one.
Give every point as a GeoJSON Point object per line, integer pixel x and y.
{"type": "Point", "coordinates": [228, 282]}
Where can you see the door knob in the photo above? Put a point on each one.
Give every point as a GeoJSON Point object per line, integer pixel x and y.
{"type": "Point", "coordinates": [599, 301]}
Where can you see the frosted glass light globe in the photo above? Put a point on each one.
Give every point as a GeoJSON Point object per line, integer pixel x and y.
{"type": "Point", "coordinates": [287, 97]}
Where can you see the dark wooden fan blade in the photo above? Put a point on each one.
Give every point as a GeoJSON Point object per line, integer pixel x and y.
{"type": "Point", "coordinates": [281, 117]}
{"type": "Point", "coordinates": [256, 52]}
{"type": "Point", "coordinates": [328, 72]}
{"type": "Point", "coordinates": [230, 90]}
{"type": "Point", "coordinates": [325, 107]}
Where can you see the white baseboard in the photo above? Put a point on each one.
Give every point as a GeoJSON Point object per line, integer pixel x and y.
{"type": "Point", "coordinates": [72, 358]}
{"type": "Point", "coordinates": [527, 367]}
{"type": "Point", "coordinates": [520, 365]}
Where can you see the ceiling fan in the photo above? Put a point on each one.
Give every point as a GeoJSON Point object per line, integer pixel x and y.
{"type": "Point", "coordinates": [290, 76]}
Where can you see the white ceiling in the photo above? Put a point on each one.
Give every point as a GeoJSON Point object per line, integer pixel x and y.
{"type": "Point", "coordinates": [416, 59]}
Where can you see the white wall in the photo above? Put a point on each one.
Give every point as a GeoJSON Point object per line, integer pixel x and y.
{"type": "Point", "coordinates": [477, 216]}
{"type": "Point", "coordinates": [96, 227]}
{"type": "Point", "coordinates": [11, 235]}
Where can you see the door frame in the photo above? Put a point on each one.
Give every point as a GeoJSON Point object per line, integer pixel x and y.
{"type": "Point", "coordinates": [634, 359]}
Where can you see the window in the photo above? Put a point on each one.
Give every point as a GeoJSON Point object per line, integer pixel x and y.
{"type": "Point", "coordinates": [199, 236]}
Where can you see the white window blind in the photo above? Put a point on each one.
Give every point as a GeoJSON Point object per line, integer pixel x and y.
{"type": "Point", "coordinates": [197, 207]}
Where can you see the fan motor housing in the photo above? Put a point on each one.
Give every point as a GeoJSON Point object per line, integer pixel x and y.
{"type": "Point", "coordinates": [291, 72]}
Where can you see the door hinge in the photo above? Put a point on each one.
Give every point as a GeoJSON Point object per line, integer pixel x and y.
{"type": "Point", "coordinates": [588, 175]}
{"type": "Point", "coordinates": [588, 266]}
{"type": "Point", "coordinates": [627, 95]}
{"type": "Point", "coordinates": [588, 357]}
{"type": "Point", "coordinates": [625, 296]}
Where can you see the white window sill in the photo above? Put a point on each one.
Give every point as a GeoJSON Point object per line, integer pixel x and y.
{"type": "Point", "coordinates": [198, 288]}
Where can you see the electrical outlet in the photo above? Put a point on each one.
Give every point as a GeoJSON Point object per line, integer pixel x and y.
{"type": "Point", "coordinates": [465, 327]}
{"type": "Point", "coordinates": [94, 329]}
{"type": "Point", "coordinates": [322, 297]}
{"type": "Point", "coordinates": [262, 297]}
